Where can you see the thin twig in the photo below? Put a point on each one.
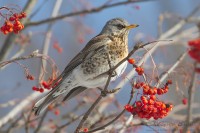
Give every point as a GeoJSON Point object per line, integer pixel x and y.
{"type": "Point", "coordinates": [191, 93]}
{"type": "Point", "coordinates": [166, 74]}
{"type": "Point", "coordinates": [116, 118]}
{"type": "Point", "coordinates": [14, 124]}
{"type": "Point", "coordinates": [32, 55]}
{"type": "Point", "coordinates": [41, 121]}
{"type": "Point", "coordinates": [58, 129]}
{"type": "Point", "coordinates": [27, 122]}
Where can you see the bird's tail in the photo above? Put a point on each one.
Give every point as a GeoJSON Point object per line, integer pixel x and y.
{"type": "Point", "coordinates": [63, 87]}
{"type": "Point", "coordinates": [43, 103]}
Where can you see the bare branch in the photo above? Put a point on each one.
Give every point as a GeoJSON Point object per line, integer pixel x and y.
{"type": "Point", "coordinates": [191, 90]}
{"type": "Point", "coordinates": [93, 10]}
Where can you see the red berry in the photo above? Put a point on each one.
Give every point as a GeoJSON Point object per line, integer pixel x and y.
{"type": "Point", "coordinates": [138, 103]}
{"type": "Point", "coordinates": [165, 90]}
{"type": "Point", "coordinates": [131, 61]}
{"type": "Point", "coordinates": [151, 91]}
{"type": "Point", "coordinates": [143, 98]}
{"type": "Point", "coordinates": [142, 84]}
{"type": "Point", "coordinates": [45, 85]}
{"type": "Point", "coordinates": [169, 82]}
{"type": "Point", "coordinates": [145, 108]}
{"type": "Point", "coordinates": [34, 88]}
{"type": "Point", "coordinates": [146, 87]}
{"type": "Point", "coordinates": [85, 130]}
{"type": "Point", "coordinates": [145, 91]}
{"type": "Point", "coordinates": [137, 86]}
{"type": "Point", "coordinates": [23, 14]}
{"type": "Point", "coordinates": [128, 108]}
{"type": "Point", "coordinates": [150, 102]}
{"type": "Point", "coordinates": [41, 90]}
{"type": "Point", "coordinates": [184, 101]}
{"type": "Point", "coordinates": [139, 70]}
{"type": "Point", "coordinates": [145, 101]}
{"type": "Point", "coordinates": [152, 97]}
{"type": "Point", "coordinates": [57, 112]}
{"type": "Point", "coordinates": [160, 92]}
{"type": "Point", "coordinates": [11, 18]}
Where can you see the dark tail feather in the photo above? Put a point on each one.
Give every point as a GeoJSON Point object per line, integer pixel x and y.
{"type": "Point", "coordinates": [74, 92]}
{"type": "Point", "coordinates": [43, 103]}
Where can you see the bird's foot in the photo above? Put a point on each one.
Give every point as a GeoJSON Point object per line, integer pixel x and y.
{"type": "Point", "coordinates": [105, 92]}
{"type": "Point", "coordinates": [112, 73]}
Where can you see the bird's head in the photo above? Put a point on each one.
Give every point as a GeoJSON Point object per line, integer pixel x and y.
{"type": "Point", "coordinates": [117, 27]}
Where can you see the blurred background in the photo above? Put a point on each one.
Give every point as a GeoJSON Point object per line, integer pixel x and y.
{"type": "Point", "coordinates": [72, 33]}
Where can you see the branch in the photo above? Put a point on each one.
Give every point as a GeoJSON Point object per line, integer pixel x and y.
{"type": "Point", "coordinates": [41, 121]}
{"type": "Point", "coordinates": [116, 118]}
{"type": "Point", "coordinates": [191, 90]}
{"type": "Point", "coordinates": [87, 11]}
{"type": "Point", "coordinates": [58, 129]}
{"type": "Point", "coordinates": [164, 76]}
{"type": "Point", "coordinates": [32, 55]}
{"type": "Point", "coordinates": [48, 36]}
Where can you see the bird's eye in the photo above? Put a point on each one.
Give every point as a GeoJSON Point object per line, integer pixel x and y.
{"type": "Point", "coordinates": [120, 26]}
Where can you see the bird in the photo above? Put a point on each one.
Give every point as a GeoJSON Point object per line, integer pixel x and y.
{"type": "Point", "coordinates": [88, 68]}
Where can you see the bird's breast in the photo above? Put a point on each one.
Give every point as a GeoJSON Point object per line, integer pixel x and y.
{"type": "Point", "coordinates": [98, 63]}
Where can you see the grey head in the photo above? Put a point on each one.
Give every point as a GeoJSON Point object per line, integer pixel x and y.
{"type": "Point", "coordinates": [117, 27]}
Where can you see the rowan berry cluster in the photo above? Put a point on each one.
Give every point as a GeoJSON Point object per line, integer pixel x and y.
{"type": "Point", "coordinates": [149, 106]}
{"type": "Point", "coordinates": [30, 77]}
{"type": "Point", "coordinates": [12, 24]}
{"type": "Point", "coordinates": [43, 85]}
{"type": "Point", "coordinates": [138, 69]}
{"type": "Point", "coordinates": [52, 108]}
{"type": "Point", "coordinates": [194, 51]}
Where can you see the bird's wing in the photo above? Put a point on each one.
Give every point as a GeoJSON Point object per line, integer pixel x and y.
{"type": "Point", "coordinates": [93, 46]}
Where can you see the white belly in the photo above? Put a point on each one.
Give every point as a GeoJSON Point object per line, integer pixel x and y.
{"type": "Point", "coordinates": [90, 82]}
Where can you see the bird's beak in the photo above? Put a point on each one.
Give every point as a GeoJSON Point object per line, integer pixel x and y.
{"type": "Point", "coordinates": [131, 26]}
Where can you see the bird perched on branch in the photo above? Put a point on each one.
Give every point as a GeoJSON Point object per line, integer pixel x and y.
{"type": "Point", "coordinates": [88, 69]}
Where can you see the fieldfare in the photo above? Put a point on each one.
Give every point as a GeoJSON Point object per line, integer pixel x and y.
{"type": "Point", "coordinates": [88, 68]}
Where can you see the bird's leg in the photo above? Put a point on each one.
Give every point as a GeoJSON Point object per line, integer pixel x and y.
{"type": "Point", "coordinates": [105, 92]}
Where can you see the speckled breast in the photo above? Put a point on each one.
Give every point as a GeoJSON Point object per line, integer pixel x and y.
{"type": "Point", "coordinates": [98, 63]}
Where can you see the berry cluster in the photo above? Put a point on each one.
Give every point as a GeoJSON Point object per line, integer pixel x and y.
{"type": "Point", "coordinates": [149, 106]}
{"type": "Point", "coordinates": [138, 69]}
{"type": "Point", "coordinates": [40, 89]}
{"type": "Point", "coordinates": [13, 24]}
{"type": "Point", "coordinates": [56, 111]}
{"type": "Point", "coordinates": [57, 47]}
{"type": "Point", "coordinates": [30, 77]}
{"type": "Point", "coordinates": [44, 85]}
{"type": "Point", "coordinates": [194, 51]}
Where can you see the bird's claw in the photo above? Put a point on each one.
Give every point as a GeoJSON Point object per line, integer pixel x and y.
{"type": "Point", "coordinates": [103, 93]}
